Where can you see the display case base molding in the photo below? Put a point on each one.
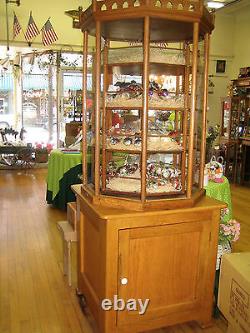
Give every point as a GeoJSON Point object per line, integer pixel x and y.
{"type": "Point", "coordinates": [166, 256]}
{"type": "Point", "coordinates": [135, 204]}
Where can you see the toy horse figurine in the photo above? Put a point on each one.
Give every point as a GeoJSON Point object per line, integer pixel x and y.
{"type": "Point", "coordinates": [3, 134]}
{"type": "Point", "coordinates": [8, 131]}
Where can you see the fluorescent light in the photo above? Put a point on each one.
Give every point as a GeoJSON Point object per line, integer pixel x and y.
{"type": "Point", "coordinates": [215, 4]}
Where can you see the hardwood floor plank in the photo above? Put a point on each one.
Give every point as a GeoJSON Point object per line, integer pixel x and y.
{"type": "Point", "coordinates": [34, 295]}
{"type": "Point", "coordinates": [4, 284]}
{"type": "Point", "coordinates": [241, 212]}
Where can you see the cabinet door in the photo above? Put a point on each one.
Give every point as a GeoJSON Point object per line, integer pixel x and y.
{"type": "Point", "coordinates": [165, 264]}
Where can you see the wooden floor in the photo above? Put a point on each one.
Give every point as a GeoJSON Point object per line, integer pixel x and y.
{"type": "Point", "coordinates": [241, 212]}
{"type": "Point", "coordinates": [34, 296]}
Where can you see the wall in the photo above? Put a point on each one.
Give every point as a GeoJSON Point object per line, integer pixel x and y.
{"type": "Point", "coordinates": [221, 48]}
{"type": "Point", "coordinates": [41, 11]}
{"type": "Point", "coordinates": [230, 41]}
{"type": "Point", "coordinates": [241, 40]}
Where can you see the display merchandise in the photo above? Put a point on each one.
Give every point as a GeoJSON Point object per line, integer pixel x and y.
{"type": "Point", "coordinates": [146, 104]}
{"type": "Point", "coordinates": [72, 105]}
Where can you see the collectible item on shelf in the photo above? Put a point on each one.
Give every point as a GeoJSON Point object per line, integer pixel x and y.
{"type": "Point", "coordinates": [155, 143]}
{"type": "Point", "coordinates": [244, 72]}
{"type": "Point", "coordinates": [135, 54]}
{"type": "Point", "coordinates": [133, 98]}
{"type": "Point", "coordinates": [215, 169]}
{"type": "Point", "coordinates": [161, 177]}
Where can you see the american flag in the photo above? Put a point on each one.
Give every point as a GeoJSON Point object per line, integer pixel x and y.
{"type": "Point", "coordinates": [32, 29]}
{"type": "Point", "coordinates": [49, 35]}
{"type": "Point", "coordinates": [16, 27]}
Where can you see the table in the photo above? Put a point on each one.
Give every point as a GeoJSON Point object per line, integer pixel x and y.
{"type": "Point", "coordinates": [11, 149]}
{"type": "Point", "coordinates": [10, 154]}
{"type": "Point", "coordinates": [221, 192]}
{"type": "Point", "coordinates": [64, 169]}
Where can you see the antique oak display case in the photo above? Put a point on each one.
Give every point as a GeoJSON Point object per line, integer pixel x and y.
{"type": "Point", "coordinates": [145, 133]}
{"type": "Point", "coordinates": [145, 228]}
{"type": "Point", "coordinates": [235, 126]}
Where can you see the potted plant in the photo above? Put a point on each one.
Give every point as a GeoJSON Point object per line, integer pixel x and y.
{"type": "Point", "coordinates": [229, 232]}
{"type": "Point", "coordinates": [42, 152]}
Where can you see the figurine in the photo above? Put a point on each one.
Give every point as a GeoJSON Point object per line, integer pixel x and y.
{"type": "Point", "coordinates": [114, 140]}
{"type": "Point", "coordinates": [127, 141]}
{"type": "Point", "coordinates": [137, 141]}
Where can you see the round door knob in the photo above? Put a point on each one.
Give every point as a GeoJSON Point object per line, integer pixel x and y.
{"type": "Point", "coordinates": [124, 280]}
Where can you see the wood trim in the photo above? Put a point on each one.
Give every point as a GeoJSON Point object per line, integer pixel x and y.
{"type": "Point", "coordinates": [193, 107]}
{"type": "Point", "coordinates": [97, 106]}
{"type": "Point", "coordinates": [242, 82]}
{"type": "Point", "coordinates": [204, 111]}
{"type": "Point", "coordinates": [84, 108]}
{"type": "Point", "coordinates": [185, 115]}
{"type": "Point", "coordinates": [132, 204]}
{"type": "Point", "coordinates": [105, 83]}
{"type": "Point", "coordinates": [146, 44]}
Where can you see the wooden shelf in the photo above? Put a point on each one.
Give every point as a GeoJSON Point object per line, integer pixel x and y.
{"type": "Point", "coordinates": [242, 82]}
{"type": "Point", "coordinates": [156, 68]}
{"type": "Point", "coordinates": [164, 151]}
{"type": "Point", "coordinates": [150, 108]}
{"type": "Point", "coordinates": [139, 134]}
{"type": "Point", "coordinates": [131, 151]}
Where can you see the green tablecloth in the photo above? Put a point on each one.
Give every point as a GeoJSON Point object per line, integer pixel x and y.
{"type": "Point", "coordinates": [221, 191]}
{"type": "Point", "coordinates": [63, 171]}
{"type": "Point", "coordinates": [59, 164]}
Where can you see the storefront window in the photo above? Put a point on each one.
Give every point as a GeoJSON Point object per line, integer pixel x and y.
{"type": "Point", "coordinates": [7, 116]}
{"type": "Point", "coordinates": [43, 96]}
{"type": "Point", "coordinates": [39, 111]}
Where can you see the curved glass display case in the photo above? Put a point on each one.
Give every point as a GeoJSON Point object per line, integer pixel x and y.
{"type": "Point", "coordinates": [144, 134]}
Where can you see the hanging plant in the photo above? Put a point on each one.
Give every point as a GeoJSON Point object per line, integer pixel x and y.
{"type": "Point", "coordinates": [44, 62]}
{"type": "Point", "coordinates": [67, 62]}
{"type": "Point", "coordinates": [52, 60]}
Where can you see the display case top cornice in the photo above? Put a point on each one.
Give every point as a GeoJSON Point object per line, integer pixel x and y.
{"type": "Point", "coordinates": [170, 19]}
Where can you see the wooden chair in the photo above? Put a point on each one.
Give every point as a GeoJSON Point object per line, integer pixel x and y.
{"type": "Point", "coordinates": [68, 229]}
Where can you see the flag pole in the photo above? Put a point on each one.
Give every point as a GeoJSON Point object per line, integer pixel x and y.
{"type": "Point", "coordinates": [7, 26]}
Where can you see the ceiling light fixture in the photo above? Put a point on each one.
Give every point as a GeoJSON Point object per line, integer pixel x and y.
{"type": "Point", "coordinates": [215, 4]}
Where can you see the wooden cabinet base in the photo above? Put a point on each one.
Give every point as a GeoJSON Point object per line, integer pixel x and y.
{"type": "Point", "coordinates": [166, 256]}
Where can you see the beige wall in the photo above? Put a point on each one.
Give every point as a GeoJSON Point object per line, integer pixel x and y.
{"type": "Point", "coordinates": [41, 11]}
{"type": "Point", "coordinates": [241, 40]}
{"type": "Point", "coordinates": [221, 49]}
{"type": "Point", "coordinates": [230, 41]}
